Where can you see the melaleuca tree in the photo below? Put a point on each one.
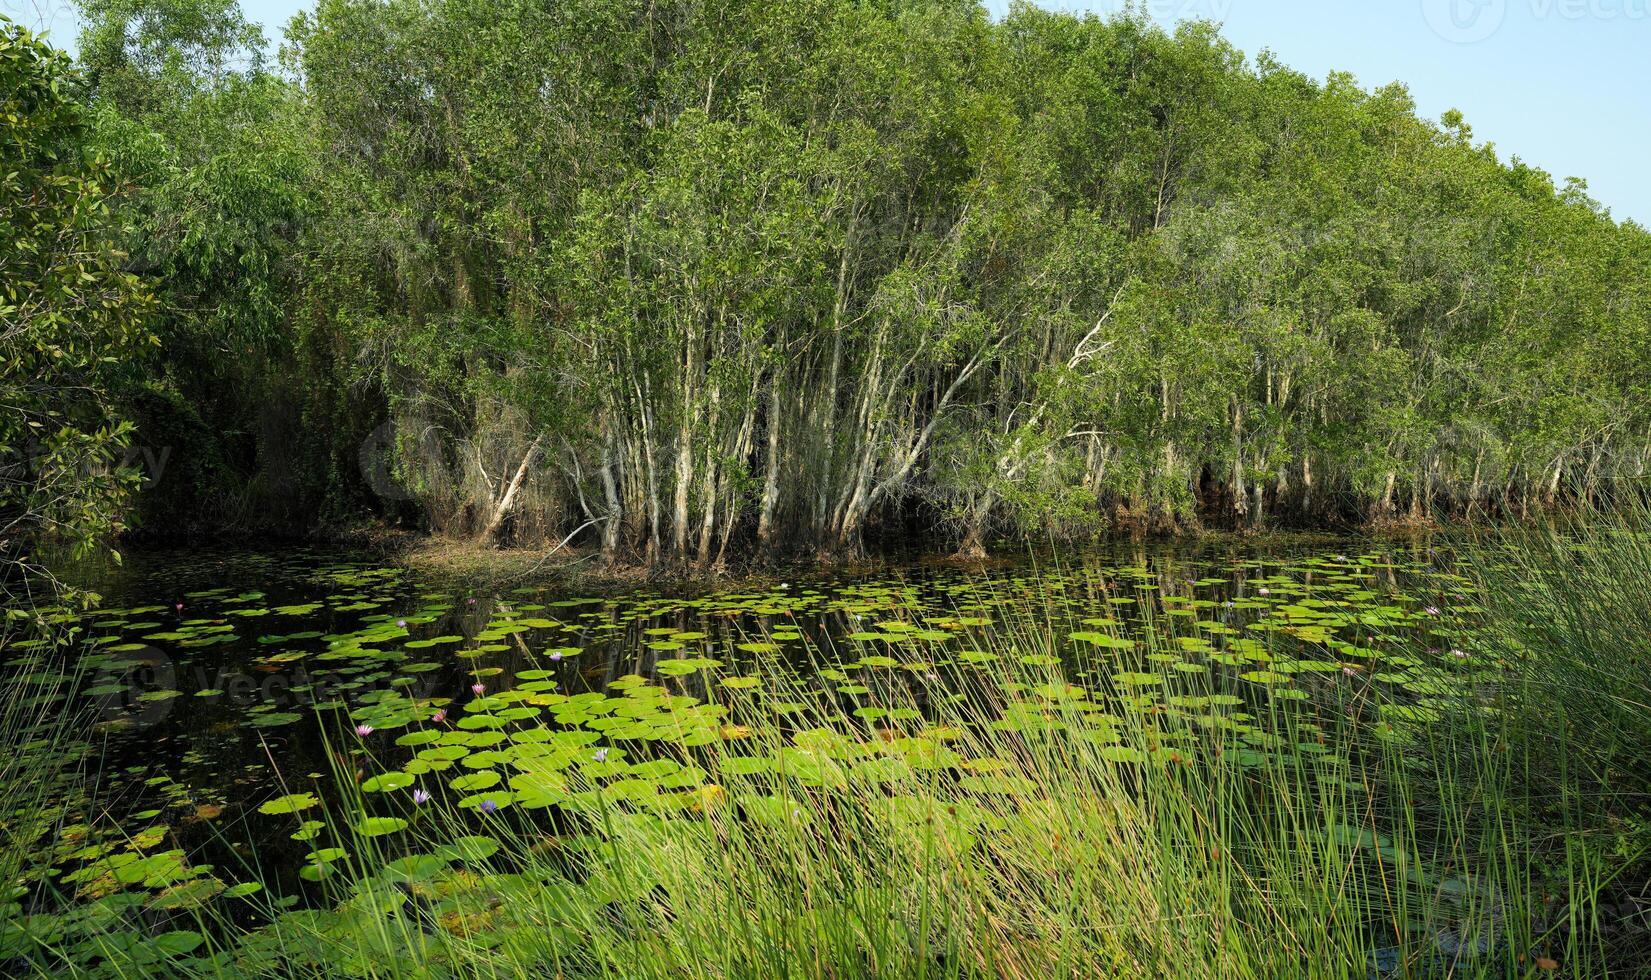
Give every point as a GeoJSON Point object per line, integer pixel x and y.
{"type": "Point", "coordinates": [686, 281]}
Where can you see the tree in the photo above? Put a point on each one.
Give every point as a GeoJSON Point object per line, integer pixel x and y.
{"type": "Point", "coordinates": [688, 280]}
{"type": "Point", "coordinates": [69, 316]}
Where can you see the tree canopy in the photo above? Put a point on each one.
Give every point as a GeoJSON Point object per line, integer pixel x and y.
{"type": "Point", "coordinates": [700, 279]}
{"type": "Point", "coordinates": [70, 317]}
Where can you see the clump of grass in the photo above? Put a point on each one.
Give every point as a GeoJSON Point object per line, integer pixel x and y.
{"type": "Point", "coordinates": [1088, 836]}
{"type": "Point", "coordinates": [1056, 818]}
{"type": "Point", "coordinates": [1570, 603]}
{"type": "Point", "coordinates": [39, 740]}
{"type": "Point", "coordinates": [1568, 606]}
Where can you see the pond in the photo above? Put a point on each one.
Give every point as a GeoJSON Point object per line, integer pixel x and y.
{"type": "Point", "coordinates": [239, 704]}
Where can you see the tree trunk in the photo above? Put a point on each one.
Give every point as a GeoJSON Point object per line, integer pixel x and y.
{"type": "Point", "coordinates": [507, 500]}
{"type": "Point", "coordinates": [616, 507]}
{"type": "Point", "coordinates": [973, 545]}
{"type": "Point", "coordinates": [771, 481]}
{"type": "Point", "coordinates": [685, 445]}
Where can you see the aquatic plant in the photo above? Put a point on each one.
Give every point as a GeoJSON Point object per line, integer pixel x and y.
{"type": "Point", "coordinates": [1119, 767]}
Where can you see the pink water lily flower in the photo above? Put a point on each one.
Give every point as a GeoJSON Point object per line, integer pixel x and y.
{"type": "Point", "coordinates": [363, 730]}
{"type": "Point", "coordinates": [478, 689]}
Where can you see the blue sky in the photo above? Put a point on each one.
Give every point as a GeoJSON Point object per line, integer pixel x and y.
{"type": "Point", "coordinates": [1563, 84]}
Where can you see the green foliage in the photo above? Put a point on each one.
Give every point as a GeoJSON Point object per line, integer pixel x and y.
{"type": "Point", "coordinates": [145, 54]}
{"type": "Point", "coordinates": [706, 279]}
{"type": "Point", "coordinates": [70, 315]}
{"type": "Point", "coordinates": [1568, 600]}
{"type": "Point", "coordinates": [216, 163]}
{"type": "Point", "coordinates": [790, 267]}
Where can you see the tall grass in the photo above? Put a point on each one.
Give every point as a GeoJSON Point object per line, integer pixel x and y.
{"type": "Point", "coordinates": [1026, 827]}
{"type": "Point", "coordinates": [40, 739]}
{"type": "Point", "coordinates": [1314, 852]}
{"type": "Point", "coordinates": [1570, 601]}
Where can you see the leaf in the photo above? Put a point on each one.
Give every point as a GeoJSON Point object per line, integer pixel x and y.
{"type": "Point", "coordinates": [387, 782]}
{"type": "Point", "coordinates": [177, 943]}
{"type": "Point", "coordinates": [475, 848]}
{"type": "Point", "coordinates": [744, 765]}
{"type": "Point", "coordinates": [1103, 640]}
{"type": "Point", "coordinates": [291, 803]}
{"type": "Point", "coordinates": [379, 826]}
{"type": "Point", "coordinates": [485, 779]}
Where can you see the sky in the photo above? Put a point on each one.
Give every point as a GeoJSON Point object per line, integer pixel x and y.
{"type": "Point", "coordinates": [1563, 84]}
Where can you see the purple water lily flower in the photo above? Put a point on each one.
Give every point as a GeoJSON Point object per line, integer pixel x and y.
{"type": "Point", "coordinates": [1431, 610]}
{"type": "Point", "coordinates": [420, 797]}
{"type": "Point", "coordinates": [488, 806]}
{"type": "Point", "coordinates": [401, 623]}
{"type": "Point", "coordinates": [556, 655]}
{"type": "Point", "coordinates": [601, 755]}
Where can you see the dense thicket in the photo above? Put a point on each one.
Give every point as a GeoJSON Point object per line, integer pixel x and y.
{"type": "Point", "coordinates": [69, 314]}
{"type": "Point", "coordinates": [688, 280]}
